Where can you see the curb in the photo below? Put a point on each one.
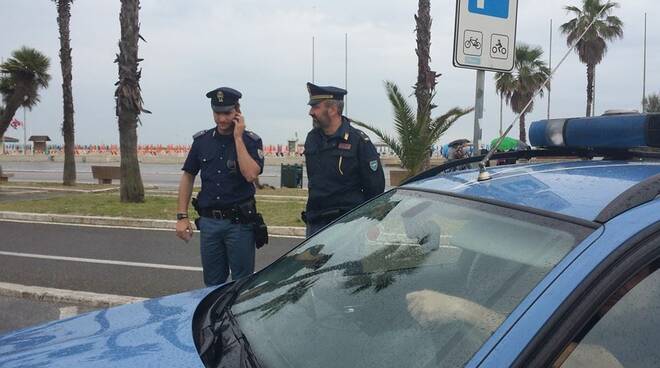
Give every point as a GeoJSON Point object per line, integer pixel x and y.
{"type": "Point", "coordinates": [66, 296]}
{"type": "Point", "coordinates": [62, 190]}
{"type": "Point", "coordinates": [124, 222]}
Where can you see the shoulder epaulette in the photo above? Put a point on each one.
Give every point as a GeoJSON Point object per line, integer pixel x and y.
{"type": "Point", "coordinates": [200, 133]}
{"type": "Point", "coordinates": [253, 135]}
{"type": "Point", "coordinates": [364, 135]}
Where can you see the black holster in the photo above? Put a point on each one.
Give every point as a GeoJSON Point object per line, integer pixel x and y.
{"type": "Point", "coordinates": [249, 212]}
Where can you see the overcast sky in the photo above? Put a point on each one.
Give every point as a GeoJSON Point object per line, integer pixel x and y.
{"type": "Point", "coordinates": [263, 48]}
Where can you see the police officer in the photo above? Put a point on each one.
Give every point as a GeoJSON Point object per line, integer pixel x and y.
{"type": "Point", "coordinates": [343, 166]}
{"type": "Point", "coordinates": [230, 159]}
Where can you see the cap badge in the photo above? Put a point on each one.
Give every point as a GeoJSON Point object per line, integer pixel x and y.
{"type": "Point", "coordinates": [220, 96]}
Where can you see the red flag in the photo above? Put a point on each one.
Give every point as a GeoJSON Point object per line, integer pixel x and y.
{"type": "Point", "coordinates": [15, 123]}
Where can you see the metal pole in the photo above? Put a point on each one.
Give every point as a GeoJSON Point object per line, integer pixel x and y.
{"type": "Point", "coordinates": [346, 70]}
{"type": "Point", "coordinates": [644, 75]}
{"type": "Point", "coordinates": [501, 111]}
{"type": "Point", "coordinates": [550, 67]}
{"type": "Point", "coordinates": [24, 132]}
{"type": "Point", "coordinates": [478, 110]}
{"type": "Point", "coordinates": [593, 103]}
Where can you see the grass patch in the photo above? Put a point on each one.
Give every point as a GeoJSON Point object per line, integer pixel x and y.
{"type": "Point", "coordinates": [296, 192]}
{"type": "Point", "coordinates": [282, 213]}
{"type": "Point", "coordinates": [284, 192]}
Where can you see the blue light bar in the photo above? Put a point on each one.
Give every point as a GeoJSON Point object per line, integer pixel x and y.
{"type": "Point", "coordinates": [615, 132]}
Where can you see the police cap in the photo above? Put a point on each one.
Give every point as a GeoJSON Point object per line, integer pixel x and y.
{"type": "Point", "coordinates": [320, 93]}
{"type": "Point", "coordinates": [224, 99]}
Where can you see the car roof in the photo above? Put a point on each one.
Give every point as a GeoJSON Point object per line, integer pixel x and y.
{"type": "Point", "coordinates": [580, 189]}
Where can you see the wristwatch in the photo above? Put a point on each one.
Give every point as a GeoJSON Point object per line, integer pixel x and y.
{"type": "Point", "coordinates": [181, 216]}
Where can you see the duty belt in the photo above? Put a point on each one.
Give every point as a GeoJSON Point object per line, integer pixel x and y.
{"type": "Point", "coordinates": [326, 216]}
{"type": "Point", "coordinates": [231, 213]}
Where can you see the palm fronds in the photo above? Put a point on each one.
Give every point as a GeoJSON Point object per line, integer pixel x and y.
{"type": "Point", "coordinates": [415, 134]}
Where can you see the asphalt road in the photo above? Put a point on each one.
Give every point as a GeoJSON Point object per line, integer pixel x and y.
{"type": "Point", "coordinates": [17, 313]}
{"type": "Point", "coordinates": [143, 263]}
{"type": "Point", "coordinates": [131, 262]}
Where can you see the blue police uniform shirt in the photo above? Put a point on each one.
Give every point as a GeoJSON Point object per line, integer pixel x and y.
{"type": "Point", "coordinates": [215, 156]}
{"type": "Point", "coordinates": [343, 170]}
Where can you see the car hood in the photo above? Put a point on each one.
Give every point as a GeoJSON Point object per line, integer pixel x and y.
{"type": "Point", "coordinates": [153, 333]}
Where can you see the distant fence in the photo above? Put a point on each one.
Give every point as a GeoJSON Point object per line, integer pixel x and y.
{"type": "Point", "coordinates": [143, 150]}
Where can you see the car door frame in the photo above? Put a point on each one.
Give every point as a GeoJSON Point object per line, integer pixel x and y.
{"type": "Point", "coordinates": [522, 330]}
{"type": "Point", "coordinates": [582, 304]}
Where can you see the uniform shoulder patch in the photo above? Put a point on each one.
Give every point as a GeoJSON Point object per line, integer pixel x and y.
{"type": "Point", "coordinates": [200, 133]}
{"type": "Point", "coordinates": [253, 135]}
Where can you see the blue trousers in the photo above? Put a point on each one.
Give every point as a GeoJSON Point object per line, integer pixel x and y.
{"type": "Point", "coordinates": [225, 246]}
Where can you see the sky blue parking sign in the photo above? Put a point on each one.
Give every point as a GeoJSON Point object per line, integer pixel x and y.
{"type": "Point", "coordinates": [493, 8]}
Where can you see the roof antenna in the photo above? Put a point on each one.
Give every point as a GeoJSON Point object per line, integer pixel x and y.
{"type": "Point", "coordinates": [485, 175]}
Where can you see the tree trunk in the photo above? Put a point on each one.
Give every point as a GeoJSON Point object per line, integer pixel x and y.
{"type": "Point", "coordinates": [426, 78]}
{"type": "Point", "coordinates": [63, 20]}
{"type": "Point", "coordinates": [523, 129]}
{"type": "Point", "coordinates": [591, 68]}
{"type": "Point", "coordinates": [129, 102]}
{"type": "Point", "coordinates": [131, 187]}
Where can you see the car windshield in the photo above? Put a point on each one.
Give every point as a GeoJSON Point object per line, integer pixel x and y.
{"type": "Point", "coordinates": [411, 279]}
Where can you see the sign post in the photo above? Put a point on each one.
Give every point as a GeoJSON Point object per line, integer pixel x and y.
{"type": "Point", "coordinates": [484, 39]}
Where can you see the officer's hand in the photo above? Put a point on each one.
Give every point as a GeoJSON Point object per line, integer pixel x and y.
{"type": "Point", "coordinates": [184, 229]}
{"type": "Point", "coordinates": [239, 125]}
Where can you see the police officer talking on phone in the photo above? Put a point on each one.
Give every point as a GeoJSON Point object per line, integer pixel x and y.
{"type": "Point", "coordinates": [343, 166]}
{"type": "Point", "coordinates": [230, 159]}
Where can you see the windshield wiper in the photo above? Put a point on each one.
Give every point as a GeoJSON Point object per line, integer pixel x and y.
{"type": "Point", "coordinates": [247, 358]}
{"type": "Point", "coordinates": [218, 319]}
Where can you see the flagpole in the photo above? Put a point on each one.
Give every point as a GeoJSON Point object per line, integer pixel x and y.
{"type": "Point", "coordinates": [550, 67]}
{"type": "Point", "coordinates": [346, 72]}
{"type": "Point", "coordinates": [24, 133]}
{"type": "Point", "coordinates": [644, 75]}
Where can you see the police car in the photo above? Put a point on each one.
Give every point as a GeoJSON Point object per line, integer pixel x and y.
{"type": "Point", "coordinates": [553, 262]}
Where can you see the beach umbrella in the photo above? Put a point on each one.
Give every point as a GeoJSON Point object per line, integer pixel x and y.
{"type": "Point", "coordinates": [509, 144]}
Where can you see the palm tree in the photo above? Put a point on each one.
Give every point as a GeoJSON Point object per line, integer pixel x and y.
{"type": "Point", "coordinates": [23, 75]}
{"type": "Point", "coordinates": [652, 103]}
{"type": "Point", "coordinates": [63, 20]}
{"type": "Point", "coordinates": [519, 87]}
{"type": "Point", "coordinates": [592, 47]}
{"type": "Point", "coordinates": [129, 101]}
{"type": "Point", "coordinates": [416, 134]}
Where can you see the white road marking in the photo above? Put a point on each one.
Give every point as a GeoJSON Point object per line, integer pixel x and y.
{"type": "Point", "coordinates": [67, 312]}
{"type": "Point", "coordinates": [101, 261]}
